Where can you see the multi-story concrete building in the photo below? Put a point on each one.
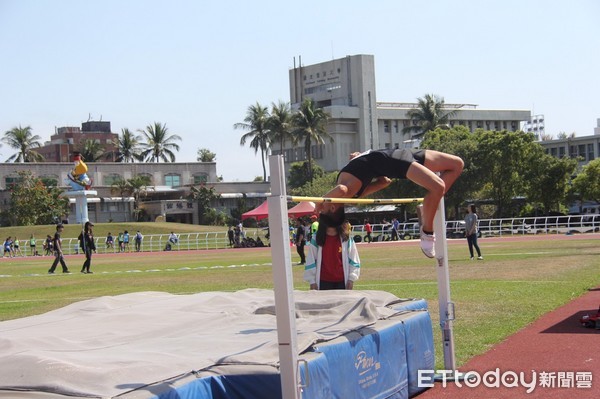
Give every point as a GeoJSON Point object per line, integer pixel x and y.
{"type": "Point", "coordinates": [586, 147]}
{"type": "Point", "coordinates": [169, 187]}
{"type": "Point", "coordinates": [346, 89]}
{"type": "Point", "coordinates": [69, 139]}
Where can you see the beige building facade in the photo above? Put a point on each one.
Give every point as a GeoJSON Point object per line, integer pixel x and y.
{"type": "Point", "coordinates": [346, 89]}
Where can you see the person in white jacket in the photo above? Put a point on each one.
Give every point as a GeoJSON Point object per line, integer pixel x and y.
{"type": "Point", "coordinates": [332, 260]}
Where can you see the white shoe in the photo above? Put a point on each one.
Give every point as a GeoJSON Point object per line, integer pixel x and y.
{"type": "Point", "coordinates": [428, 244]}
{"type": "Point", "coordinates": [480, 258]}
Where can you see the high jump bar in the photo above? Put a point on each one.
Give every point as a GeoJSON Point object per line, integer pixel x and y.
{"type": "Point", "coordinates": [292, 198]}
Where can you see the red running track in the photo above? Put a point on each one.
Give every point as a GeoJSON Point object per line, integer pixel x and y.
{"type": "Point", "coordinates": [555, 344]}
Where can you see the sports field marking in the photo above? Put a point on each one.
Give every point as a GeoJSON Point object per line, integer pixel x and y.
{"type": "Point", "coordinates": [140, 271]}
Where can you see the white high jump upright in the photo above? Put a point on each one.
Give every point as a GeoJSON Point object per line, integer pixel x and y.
{"type": "Point", "coordinates": [284, 284]}
{"type": "Point", "coordinates": [283, 280]}
{"type": "Point", "coordinates": [443, 275]}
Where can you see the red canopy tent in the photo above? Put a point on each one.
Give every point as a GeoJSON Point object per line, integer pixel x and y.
{"type": "Point", "coordinates": [302, 209]}
{"type": "Point", "coordinates": [261, 212]}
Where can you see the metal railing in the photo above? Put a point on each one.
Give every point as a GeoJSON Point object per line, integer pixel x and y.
{"type": "Point", "coordinates": [570, 224]}
{"type": "Point", "coordinates": [152, 243]}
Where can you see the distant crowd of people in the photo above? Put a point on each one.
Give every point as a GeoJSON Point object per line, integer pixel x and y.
{"type": "Point", "coordinates": [123, 240]}
{"type": "Point", "coordinates": [237, 238]}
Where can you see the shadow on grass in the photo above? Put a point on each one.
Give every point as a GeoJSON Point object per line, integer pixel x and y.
{"type": "Point", "coordinates": [572, 324]}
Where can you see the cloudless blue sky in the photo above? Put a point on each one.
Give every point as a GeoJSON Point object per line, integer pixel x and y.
{"type": "Point", "coordinates": [197, 66]}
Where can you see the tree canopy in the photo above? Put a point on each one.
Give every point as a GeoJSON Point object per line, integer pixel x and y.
{"type": "Point", "coordinates": [159, 144]}
{"type": "Point", "coordinates": [33, 203]}
{"type": "Point", "coordinates": [429, 115]}
{"type": "Point", "coordinates": [205, 155]}
{"type": "Point", "coordinates": [25, 142]}
{"type": "Point", "coordinates": [256, 125]}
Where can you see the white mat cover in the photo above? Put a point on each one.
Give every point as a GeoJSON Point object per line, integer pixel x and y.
{"type": "Point", "coordinates": [111, 345]}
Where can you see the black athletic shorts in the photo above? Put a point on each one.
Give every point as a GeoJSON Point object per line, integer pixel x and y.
{"type": "Point", "coordinates": [392, 163]}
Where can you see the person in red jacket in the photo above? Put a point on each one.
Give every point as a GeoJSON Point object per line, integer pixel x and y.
{"type": "Point", "coordinates": [368, 230]}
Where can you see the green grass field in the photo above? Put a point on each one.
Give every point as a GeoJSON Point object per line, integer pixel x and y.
{"type": "Point", "coordinates": [519, 280]}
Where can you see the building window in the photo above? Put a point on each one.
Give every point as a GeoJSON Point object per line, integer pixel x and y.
{"type": "Point", "coordinates": [10, 181]}
{"type": "Point", "coordinates": [561, 152]}
{"type": "Point", "coordinates": [112, 178]}
{"type": "Point", "coordinates": [200, 178]}
{"type": "Point", "coordinates": [386, 126]}
{"type": "Point", "coordinates": [172, 180]}
{"type": "Point", "coordinates": [590, 150]}
{"type": "Point", "coordinates": [149, 176]}
{"type": "Point", "coordinates": [317, 151]}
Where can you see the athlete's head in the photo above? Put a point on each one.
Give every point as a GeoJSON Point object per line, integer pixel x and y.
{"type": "Point", "coordinates": [333, 215]}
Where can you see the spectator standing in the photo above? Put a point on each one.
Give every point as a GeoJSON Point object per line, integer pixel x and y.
{"type": "Point", "coordinates": [368, 230]}
{"type": "Point", "coordinates": [237, 235]}
{"type": "Point", "coordinates": [58, 253]}
{"type": "Point", "coordinates": [32, 245]}
{"type": "Point", "coordinates": [86, 241]}
{"type": "Point", "coordinates": [314, 226]}
{"type": "Point", "coordinates": [138, 241]}
{"type": "Point", "coordinates": [120, 241]}
{"type": "Point", "coordinates": [48, 245]}
{"type": "Point", "coordinates": [8, 247]}
{"type": "Point", "coordinates": [395, 227]}
{"type": "Point", "coordinates": [126, 241]}
{"type": "Point", "coordinates": [300, 241]}
{"type": "Point", "coordinates": [17, 247]}
{"type": "Point", "coordinates": [471, 227]}
{"type": "Point", "coordinates": [110, 241]}
{"type": "Point", "coordinates": [230, 236]}
{"type": "Point", "coordinates": [242, 232]}
{"type": "Point", "coordinates": [332, 261]}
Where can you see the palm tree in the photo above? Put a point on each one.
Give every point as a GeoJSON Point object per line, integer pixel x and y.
{"type": "Point", "coordinates": [310, 125]}
{"type": "Point", "coordinates": [256, 124]}
{"type": "Point", "coordinates": [121, 187]}
{"type": "Point", "coordinates": [159, 144]}
{"type": "Point", "coordinates": [280, 123]}
{"type": "Point", "coordinates": [91, 150]}
{"type": "Point", "coordinates": [429, 115]}
{"type": "Point", "coordinates": [21, 139]}
{"type": "Point", "coordinates": [128, 146]}
{"type": "Point", "coordinates": [138, 186]}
